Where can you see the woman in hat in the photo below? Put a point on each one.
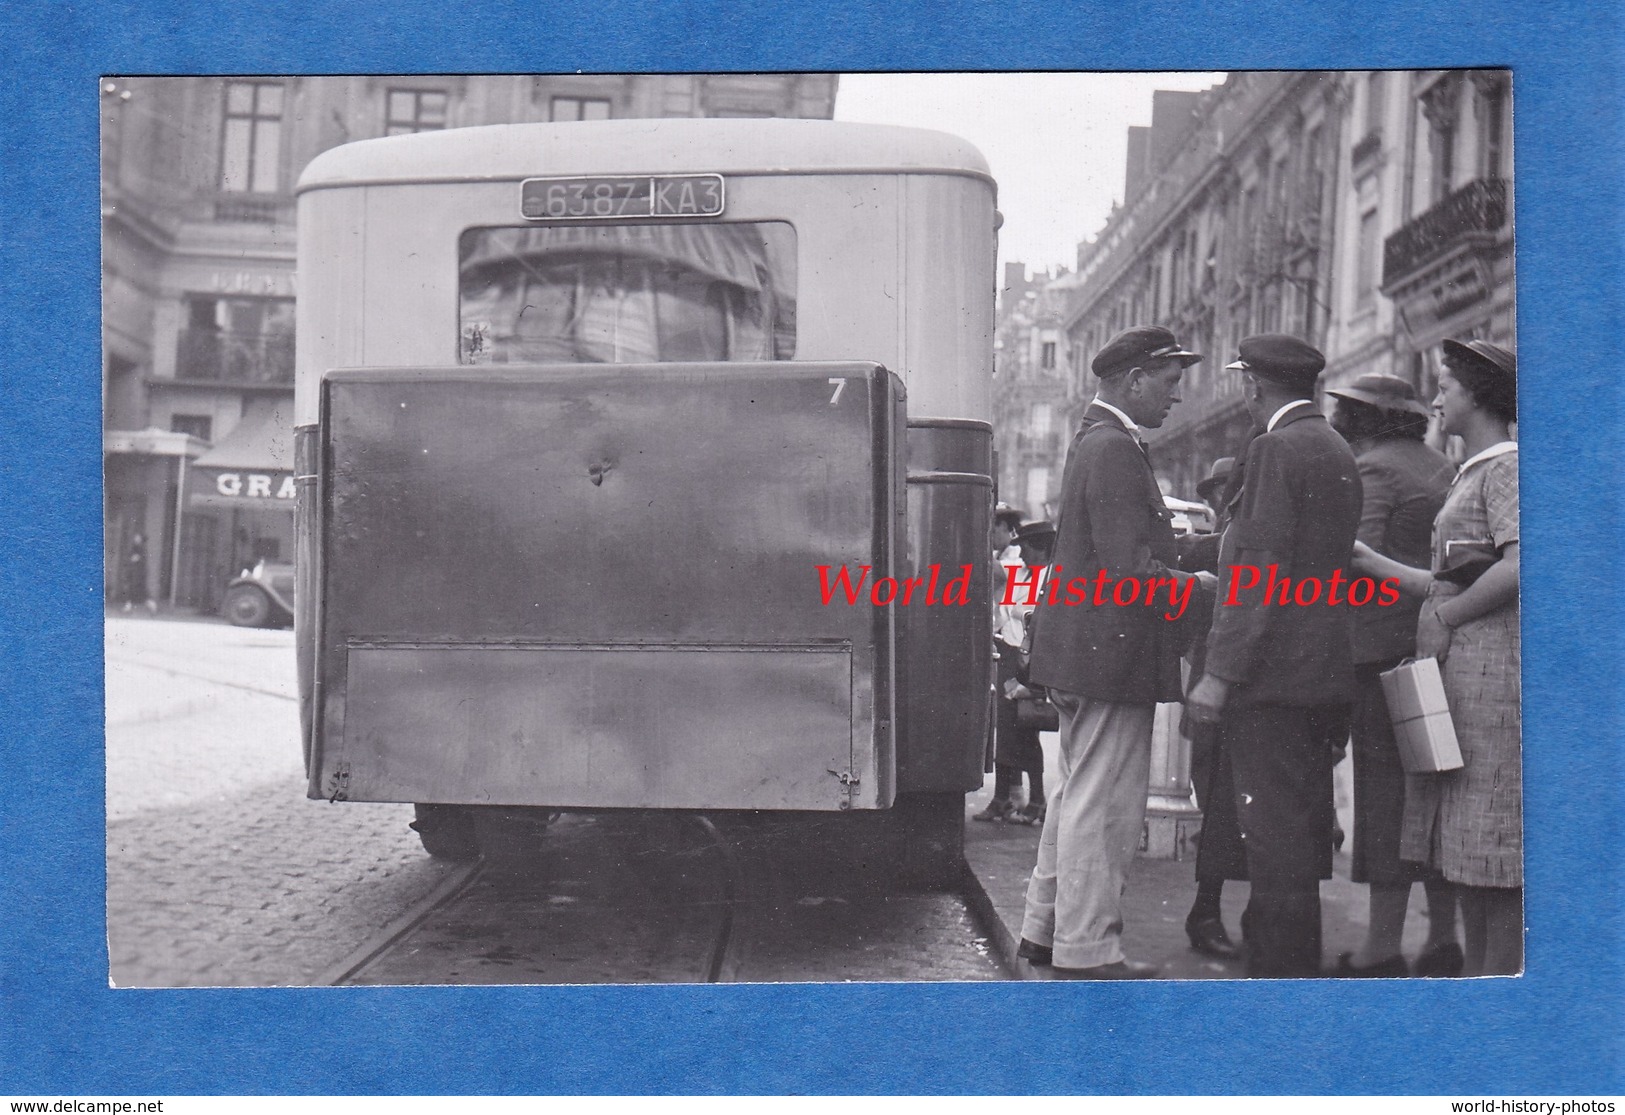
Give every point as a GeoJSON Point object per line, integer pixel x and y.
{"type": "Point", "coordinates": [1016, 745]}
{"type": "Point", "coordinates": [1468, 823]}
{"type": "Point", "coordinates": [1404, 483]}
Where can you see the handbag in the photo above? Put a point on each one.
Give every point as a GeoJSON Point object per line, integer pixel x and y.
{"type": "Point", "coordinates": [1423, 729]}
{"type": "Point", "coordinates": [1465, 561]}
{"type": "Point", "coordinates": [1038, 713]}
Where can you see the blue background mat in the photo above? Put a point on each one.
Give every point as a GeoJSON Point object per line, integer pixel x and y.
{"type": "Point", "coordinates": [1557, 1030]}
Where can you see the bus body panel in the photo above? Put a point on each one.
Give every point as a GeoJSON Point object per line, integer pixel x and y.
{"type": "Point", "coordinates": [946, 664]}
{"type": "Point", "coordinates": [893, 267]}
{"type": "Point", "coordinates": [598, 586]}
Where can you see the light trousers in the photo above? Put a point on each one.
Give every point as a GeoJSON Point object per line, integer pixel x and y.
{"type": "Point", "coordinates": [1091, 831]}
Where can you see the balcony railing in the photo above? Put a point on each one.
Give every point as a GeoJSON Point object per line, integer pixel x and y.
{"type": "Point", "coordinates": [1477, 208]}
{"type": "Point", "coordinates": [253, 209]}
{"type": "Point", "coordinates": [255, 358]}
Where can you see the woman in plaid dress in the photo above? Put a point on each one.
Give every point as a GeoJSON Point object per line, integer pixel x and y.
{"type": "Point", "coordinates": [1468, 823]}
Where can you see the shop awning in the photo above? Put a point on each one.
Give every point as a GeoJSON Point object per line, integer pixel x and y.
{"type": "Point", "coordinates": [152, 442]}
{"type": "Point", "coordinates": [251, 467]}
{"type": "Point", "coordinates": [259, 442]}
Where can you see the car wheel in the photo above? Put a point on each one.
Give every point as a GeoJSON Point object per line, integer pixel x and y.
{"type": "Point", "coordinates": [247, 606]}
{"type": "Point", "coordinates": [447, 832]}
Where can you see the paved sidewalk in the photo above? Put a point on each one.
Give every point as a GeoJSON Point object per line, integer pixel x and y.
{"type": "Point", "coordinates": [1159, 895]}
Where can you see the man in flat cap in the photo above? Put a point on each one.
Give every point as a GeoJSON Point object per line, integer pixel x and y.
{"type": "Point", "coordinates": [1278, 677]}
{"type": "Point", "coordinates": [1106, 666]}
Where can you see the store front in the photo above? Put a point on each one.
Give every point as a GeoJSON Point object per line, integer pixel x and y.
{"type": "Point", "coordinates": [238, 510]}
{"type": "Point", "coordinates": [143, 475]}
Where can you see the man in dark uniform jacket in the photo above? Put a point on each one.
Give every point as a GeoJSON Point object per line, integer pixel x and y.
{"type": "Point", "coordinates": [1279, 677]}
{"type": "Point", "coordinates": [1220, 855]}
{"type": "Point", "coordinates": [1106, 663]}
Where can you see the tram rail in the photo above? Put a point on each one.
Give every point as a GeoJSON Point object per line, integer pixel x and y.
{"type": "Point", "coordinates": [667, 898]}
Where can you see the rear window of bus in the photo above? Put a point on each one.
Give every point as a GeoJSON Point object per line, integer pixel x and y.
{"type": "Point", "coordinates": [628, 294]}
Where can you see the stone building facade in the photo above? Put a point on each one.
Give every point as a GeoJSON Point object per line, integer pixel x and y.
{"type": "Point", "coordinates": [1230, 235]}
{"type": "Point", "coordinates": [1424, 221]}
{"type": "Point", "coordinates": [1366, 212]}
{"type": "Point", "coordinates": [1033, 390]}
{"type": "Point", "coordinates": [199, 282]}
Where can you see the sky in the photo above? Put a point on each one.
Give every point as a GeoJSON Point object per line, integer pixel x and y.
{"type": "Point", "coordinates": [1056, 142]}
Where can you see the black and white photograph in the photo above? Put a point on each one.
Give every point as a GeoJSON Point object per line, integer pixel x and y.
{"type": "Point", "coordinates": [810, 527]}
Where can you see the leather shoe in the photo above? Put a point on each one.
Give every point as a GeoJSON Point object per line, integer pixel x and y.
{"type": "Point", "coordinates": [1440, 962]}
{"type": "Point", "coordinates": [1039, 956]}
{"type": "Point", "coordinates": [1392, 968]}
{"type": "Point", "coordinates": [1208, 937]}
{"type": "Point", "coordinates": [997, 810]}
{"type": "Point", "coordinates": [1121, 969]}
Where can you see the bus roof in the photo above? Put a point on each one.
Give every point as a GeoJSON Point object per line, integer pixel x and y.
{"type": "Point", "coordinates": [650, 146]}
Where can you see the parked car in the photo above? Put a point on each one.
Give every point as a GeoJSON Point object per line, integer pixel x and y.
{"type": "Point", "coordinates": [1189, 517]}
{"type": "Point", "coordinates": [261, 596]}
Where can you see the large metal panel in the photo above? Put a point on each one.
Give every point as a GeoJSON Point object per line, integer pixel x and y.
{"type": "Point", "coordinates": [673, 727]}
{"type": "Point", "coordinates": [492, 531]}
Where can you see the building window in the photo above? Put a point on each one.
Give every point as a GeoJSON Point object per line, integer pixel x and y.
{"type": "Point", "coordinates": [200, 426]}
{"type": "Point", "coordinates": [1313, 172]}
{"type": "Point", "coordinates": [1365, 279]}
{"type": "Point", "coordinates": [414, 110]}
{"type": "Point", "coordinates": [1039, 424]}
{"type": "Point", "coordinates": [1443, 141]}
{"type": "Point", "coordinates": [1440, 105]}
{"type": "Point", "coordinates": [251, 144]}
{"type": "Point", "coordinates": [1038, 490]}
{"type": "Point", "coordinates": [1279, 181]}
{"type": "Point", "coordinates": [1376, 100]}
{"type": "Point", "coordinates": [237, 340]}
{"type": "Point", "coordinates": [580, 108]}
{"type": "Point", "coordinates": [1424, 376]}
{"type": "Point", "coordinates": [1046, 357]}
{"type": "Point", "coordinates": [1269, 318]}
{"type": "Point", "coordinates": [1492, 106]}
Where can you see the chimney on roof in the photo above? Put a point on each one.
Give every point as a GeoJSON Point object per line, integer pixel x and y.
{"type": "Point", "coordinates": [1173, 118]}
{"type": "Point", "coordinates": [1015, 279]}
{"type": "Point", "coordinates": [1139, 164]}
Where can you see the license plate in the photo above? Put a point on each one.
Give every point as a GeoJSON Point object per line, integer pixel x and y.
{"type": "Point", "coordinates": [577, 199]}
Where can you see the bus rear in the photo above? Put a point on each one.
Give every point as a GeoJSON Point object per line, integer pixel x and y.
{"type": "Point", "coordinates": [594, 419]}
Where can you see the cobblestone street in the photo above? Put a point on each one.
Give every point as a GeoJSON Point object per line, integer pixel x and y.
{"type": "Point", "coordinates": [220, 871]}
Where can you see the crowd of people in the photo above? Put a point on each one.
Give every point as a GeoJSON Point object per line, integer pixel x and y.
{"type": "Point", "coordinates": [1273, 695]}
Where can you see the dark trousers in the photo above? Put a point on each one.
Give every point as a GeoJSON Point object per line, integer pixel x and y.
{"type": "Point", "coordinates": [1013, 746]}
{"type": "Point", "coordinates": [1220, 852]}
{"type": "Point", "coordinates": [1280, 761]}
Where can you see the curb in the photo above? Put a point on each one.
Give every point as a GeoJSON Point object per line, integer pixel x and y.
{"type": "Point", "coordinates": [1004, 942]}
